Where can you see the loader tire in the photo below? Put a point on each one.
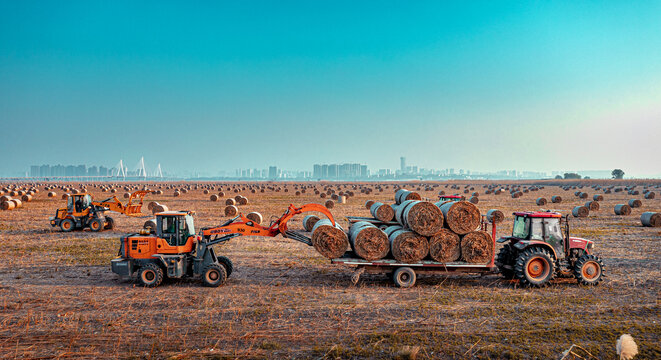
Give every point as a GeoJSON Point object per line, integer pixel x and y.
{"type": "Point", "coordinates": [534, 267]}
{"type": "Point", "coordinates": [67, 225]}
{"type": "Point", "coordinates": [110, 223]}
{"type": "Point", "coordinates": [589, 270]}
{"type": "Point", "coordinates": [150, 275]}
{"type": "Point", "coordinates": [214, 275]}
{"type": "Point", "coordinates": [96, 225]}
{"type": "Point", "coordinates": [227, 263]}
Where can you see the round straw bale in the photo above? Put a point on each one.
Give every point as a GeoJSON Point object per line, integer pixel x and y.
{"type": "Point", "coordinates": [368, 204]}
{"type": "Point", "coordinates": [477, 247]}
{"type": "Point", "coordinates": [368, 241]}
{"type": "Point", "coordinates": [231, 210]}
{"type": "Point", "coordinates": [230, 201]}
{"type": "Point", "coordinates": [17, 203]}
{"type": "Point", "coordinates": [402, 195]}
{"type": "Point", "coordinates": [495, 216]}
{"type": "Point", "coordinates": [540, 201]}
{"type": "Point", "coordinates": [474, 200]}
{"type": "Point", "coordinates": [556, 199]}
{"type": "Point", "coordinates": [213, 197]}
{"type": "Point", "coordinates": [583, 195]}
{"type": "Point", "coordinates": [65, 196]}
{"type": "Point", "coordinates": [580, 211]}
{"type": "Point", "coordinates": [51, 194]}
{"type": "Point", "coordinates": [461, 217]}
{"type": "Point", "coordinates": [26, 198]}
{"type": "Point", "coordinates": [622, 209]}
{"type": "Point", "coordinates": [652, 219]}
{"type": "Point", "coordinates": [221, 194]}
{"type": "Point", "coordinates": [255, 217]}
{"type": "Point", "coordinates": [7, 205]}
{"type": "Point", "coordinates": [597, 197]}
{"type": "Point", "coordinates": [391, 229]}
{"type": "Point", "coordinates": [342, 199]}
{"type": "Point", "coordinates": [329, 241]}
{"type": "Point", "coordinates": [5, 198]}
{"type": "Point", "coordinates": [329, 204]}
{"type": "Point", "coordinates": [407, 246]}
{"type": "Point", "coordinates": [650, 195]}
{"type": "Point", "coordinates": [151, 204]}
{"type": "Point", "coordinates": [150, 224]}
{"type": "Point", "coordinates": [444, 246]}
{"type": "Point", "coordinates": [158, 208]}
{"type": "Point", "coordinates": [205, 192]}
{"type": "Point", "coordinates": [635, 203]}
{"type": "Point", "coordinates": [176, 194]}
{"type": "Point", "coordinates": [309, 221]}
{"type": "Point", "coordinates": [592, 205]}
{"type": "Point", "coordinates": [382, 212]}
{"type": "Point", "coordinates": [127, 195]}
{"type": "Point", "coordinates": [242, 200]}
{"type": "Point", "coordinates": [422, 217]}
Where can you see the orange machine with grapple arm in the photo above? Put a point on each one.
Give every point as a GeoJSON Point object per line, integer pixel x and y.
{"type": "Point", "coordinates": [82, 211]}
{"type": "Point", "coordinates": [174, 251]}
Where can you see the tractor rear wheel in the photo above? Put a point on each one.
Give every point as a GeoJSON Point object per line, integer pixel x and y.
{"type": "Point", "coordinates": [589, 270]}
{"type": "Point", "coordinates": [505, 261]}
{"type": "Point", "coordinates": [535, 267]}
{"type": "Point", "coordinates": [150, 275]}
{"type": "Point", "coordinates": [404, 277]}
{"type": "Point", "coordinates": [227, 263]}
{"type": "Point", "coordinates": [67, 225]}
{"type": "Point", "coordinates": [96, 225]}
{"type": "Point", "coordinates": [110, 223]}
{"type": "Point", "coordinates": [214, 275]}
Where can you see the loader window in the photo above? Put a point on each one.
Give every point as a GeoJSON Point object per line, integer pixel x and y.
{"type": "Point", "coordinates": [169, 225]}
{"type": "Point", "coordinates": [521, 227]}
{"type": "Point", "coordinates": [70, 203]}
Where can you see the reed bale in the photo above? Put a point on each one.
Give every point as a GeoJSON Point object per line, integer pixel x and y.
{"type": "Point", "coordinates": [651, 219]}
{"type": "Point", "coordinates": [7, 205]}
{"type": "Point", "coordinates": [382, 211]}
{"type": "Point", "coordinates": [26, 198]}
{"type": "Point", "coordinates": [221, 193]}
{"type": "Point", "coordinates": [65, 196]}
{"type": "Point", "coordinates": [17, 203]}
{"type": "Point", "coordinates": [580, 211]}
{"type": "Point", "coordinates": [650, 195]}
{"type": "Point", "coordinates": [477, 247]}
{"type": "Point", "coordinates": [474, 200]}
{"type": "Point", "coordinates": [445, 246]}
{"type": "Point", "coordinates": [5, 198]}
{"type": "Point", "coordinates": [583, 195]}
{"type": "Point", "coordinates": [329, 241]}
{"type": "Point", "coordinates": [158, 208]}
{"type": "Point", "coordinates": [205, 192]}
{"type": "Point", "coordinates": [151, 204]}
{"type": "Point", "coordinates": [127, 195]}
{"type": "Point", "coordinates": [461, 217]}
{"type": "Point", "coordinates": [242, 200]}
{"type": "Point", "coordinates": [423, 217]}
{"type": "Point", "coordinates": [402, 195]}
{"type": "Point", "coordinates": [391, 229]}
{"type": "Point", "coordinates": [309, 221]}
{"type": "Point", "coordinates": [592, 205]}
{"type": "Point", "coordinates": [407, 247]}
{"type": "Point", "coordinates": [540, 201]}
{"type": "Point", "coordinates": [556, 199]}
{"type": "Point", "coordinates": [213, 197]}
{"type": "Point", "coordinates": [329, 204]}
{"type": "Point", "coordinates": [635, 203]}
{"type": "Point", "coordinates": [368, 241]}
{"type": "Point", "coordinates": [495, 216]}
{"type": "Point", "coordinates": [622, 209]}
{"type": "Point", "coordinates": [231, 210]}
{"type": "Point", "coordinates": [150, 224]}
{"type": "Point", "coordinates": [255, 217]}
{"type": "Point", "coordinates": [597, 197]}
{"type": "Point", "coordinates": [230, 201]}
{"type": "Point", "coordinates": [176, 194]}
{"type": "Point", "coordinates": [51, 194]}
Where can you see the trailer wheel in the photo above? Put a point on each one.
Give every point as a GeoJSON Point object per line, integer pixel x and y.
{"type": "Point", "coordinates": [150, 275]}
{"type": "Point", "coordinates": [67, 225]}
{"type": "Point", "coordinates": [214, 276]}
{"type": "Point", "coordinates": [227, 263]}
{"type": "Point", "coordinates": [96, 225]}
{"type": "Point", "coordinates": [404, 277]}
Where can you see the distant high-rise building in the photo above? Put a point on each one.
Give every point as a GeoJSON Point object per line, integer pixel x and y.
{"type": "Point", "coordinates": [316, 172]}
{"type": "Point", "coordinates": [363, 171]}
{"type": "Point", "coordinates": [70, 170]}
{"type": "Point", "coordinates": [324, 171]}
{"type": "Point", "coordinates": [93, 171]}
{"type": "Point", "coordinates": [103, 171]}
{"type": "Point", "coordinates": [332, 171]}
{"type": "Point", "coordinates": [45, 171]}
{"type": "Point", "coordinates": [34, 171]}
{"type": "Point", "coordinates": [81, 170]}
{"type": "Point", "coordinates": [402, 163]}
{"type": "Point", "coordinates": [273, 172]}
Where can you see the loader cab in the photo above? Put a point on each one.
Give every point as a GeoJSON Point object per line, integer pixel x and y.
{"type": "Point", "coordinates": [77, 204]}
{"type": "Point", "coordinates": [175, 227]}
{"type": "Point", "coordinates": [539, 226]}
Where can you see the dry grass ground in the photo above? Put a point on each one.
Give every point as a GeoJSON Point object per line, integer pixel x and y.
{"type": "Point", "coordinates": [58, 297]}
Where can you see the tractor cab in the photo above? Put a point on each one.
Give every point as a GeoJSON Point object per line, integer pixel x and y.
{"type": "Point", "coordinates": [453, 198]}
{"type": "Point", "coordinates": [175, 227]}
{"type": "Point", "coordinates": [537, 226]}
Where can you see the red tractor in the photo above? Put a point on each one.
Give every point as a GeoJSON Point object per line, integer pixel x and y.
{"type": "Point", "coordinates": [538, 251]}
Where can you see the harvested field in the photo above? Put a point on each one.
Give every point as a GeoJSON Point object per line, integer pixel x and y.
{"type": "Point", "coordinates": [58, 297]}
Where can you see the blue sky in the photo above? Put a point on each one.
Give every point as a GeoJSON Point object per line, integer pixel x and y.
{"type": "Point", "coordinates": [206, 87]}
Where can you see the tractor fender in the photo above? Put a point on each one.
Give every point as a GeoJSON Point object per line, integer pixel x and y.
{"type": "Point", "coordinates": [580, 243]}
{"type": "Point", "coordinates": [524, 244]}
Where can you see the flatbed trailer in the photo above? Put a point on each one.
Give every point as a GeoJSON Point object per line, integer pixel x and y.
{"type": "Point", "coordinates": [405, 274]}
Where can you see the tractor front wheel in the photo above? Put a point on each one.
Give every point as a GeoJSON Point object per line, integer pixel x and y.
{"type": "Point", "coordinates": [214, 276]}
{"type": "Point", "coordinates": [96, 225]}
{"type": "Point", "coordinates": [227, 263]}
{"type": "Point", "coordinates": [534, 267]}
{"type": "Point", "coordinates": [67, 225]}
{"type": "Point", "coordinates": [150, 275]}
{"type": "Point", "coordinates": [589, 270]}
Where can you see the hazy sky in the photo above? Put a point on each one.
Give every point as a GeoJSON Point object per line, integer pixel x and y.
{"type": "Point", "coordinates": [202, 88]}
